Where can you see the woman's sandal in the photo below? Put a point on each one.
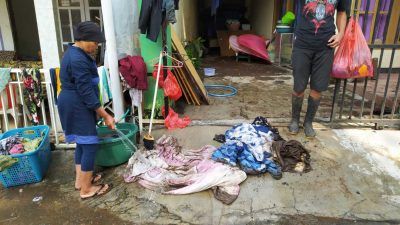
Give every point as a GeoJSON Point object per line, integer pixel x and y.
{"type": "Point", "coordinates": [96, 178]}
{"type": "Point", "coordinates": [99, 192]}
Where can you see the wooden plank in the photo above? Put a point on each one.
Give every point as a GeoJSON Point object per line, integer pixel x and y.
{"type": "Point", "coordinates": [185, 85]}
{"type": "Point", "coordinates": [189, 87]}
{"type": "Point", "coordinates": [192, 71]}
{"type": "Point", "coordinates": [190, 83]}
{"type": "Point", "coordinates": [184, 91]}
{"type": "Point", "coordinates": [371, 31]}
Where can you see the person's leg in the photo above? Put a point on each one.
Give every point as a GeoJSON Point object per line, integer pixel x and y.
{"type": "Point", "coordinates": [87, 167]}
{"type": "Point", "coordinates": [301, 62]}
{"type": "Point", "coordinates": [78, 158]}
{"type": "Point", "coordinates": [320, 75]}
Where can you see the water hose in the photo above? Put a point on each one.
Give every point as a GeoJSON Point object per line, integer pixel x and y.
{"type": "Point", "coordinates": [220, 86]}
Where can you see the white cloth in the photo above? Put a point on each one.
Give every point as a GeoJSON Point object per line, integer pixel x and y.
{"type": "Point", "coordinates": [136, 96]}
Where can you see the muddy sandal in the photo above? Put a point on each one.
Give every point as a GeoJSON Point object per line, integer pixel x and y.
{"type": "Point", "coordinates": [99, 192]}
{"type": "Point", "coordinates": [95, 179]}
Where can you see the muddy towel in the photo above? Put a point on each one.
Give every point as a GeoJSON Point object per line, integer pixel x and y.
{"type": "Point", "coordinates": [292, 156]}
{"type": "Point", "coordinates": [6, 162]}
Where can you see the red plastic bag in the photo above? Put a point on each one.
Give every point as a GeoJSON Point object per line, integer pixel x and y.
{"type": "Point", "coordinates": [173, 121]}
{"type": "Point", "coordinates": [161, 78]}
{"type": "Point", "coordinates": [171, 87]}
{"type": "Point", "coordinates": [353, 58]}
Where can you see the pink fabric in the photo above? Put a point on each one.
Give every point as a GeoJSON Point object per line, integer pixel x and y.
{"type": "Point", "coordinates": [255, 44]}
{"type": "Point", "coordinates": [17, 149]}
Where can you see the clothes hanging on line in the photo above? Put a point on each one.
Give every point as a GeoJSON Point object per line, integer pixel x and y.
{"type": "Point", "coordinates": [169, 8]}
{"type": "Point", "coordinates": [134, 71]}
{"type": "Point", "coordinates": [104, 85]}
{"type": "Point", "coordinates": [32, 93]}
{"type": "Point", "coordinates": [55, 82]}
{"type": "Point", "coordinates": [4, 78]}
{"type": "Point", "coordinates": [150, 18]}
{"type": "Point", "coordinates": [136, 96]}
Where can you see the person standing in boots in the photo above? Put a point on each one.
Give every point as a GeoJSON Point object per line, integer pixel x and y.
{"type": "Point", "coordinates": [315, 40]}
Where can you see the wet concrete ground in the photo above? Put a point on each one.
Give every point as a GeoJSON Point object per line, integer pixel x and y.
{"type": "Point", "coordinates": [355, 177]}
{"type": "Point", "coordinates": [351, 183]}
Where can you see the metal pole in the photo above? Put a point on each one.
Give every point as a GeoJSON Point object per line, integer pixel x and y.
{"type": "Point", "coordinates": [165, 62]}
{"type": "Point", "coordinates": [111, 44]}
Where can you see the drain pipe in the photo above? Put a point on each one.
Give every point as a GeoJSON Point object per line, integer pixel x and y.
{"type": "Point", "coordinates": [111, 45]}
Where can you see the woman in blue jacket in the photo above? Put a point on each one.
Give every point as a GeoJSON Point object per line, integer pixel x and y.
{"type": "Point", "coordinates": [79, 106]}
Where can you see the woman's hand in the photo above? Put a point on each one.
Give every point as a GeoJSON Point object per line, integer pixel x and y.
{"type": "Point", "coordinates": [108, 119]}
{"type": "Point", "coordinates": [110, 122]}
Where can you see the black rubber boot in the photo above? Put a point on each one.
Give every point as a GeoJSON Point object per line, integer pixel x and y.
{"type": "Point", "coordinates": [308, 120]}
{"type": "Point", "coordinates": [297, 102]}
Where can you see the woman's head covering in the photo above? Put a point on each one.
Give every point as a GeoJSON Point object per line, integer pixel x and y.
{"type": "Point", "coordinates": [88, 31]}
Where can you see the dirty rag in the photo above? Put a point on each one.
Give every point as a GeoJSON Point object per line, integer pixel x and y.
{"type": "Point", "coordinates": [292, 156]}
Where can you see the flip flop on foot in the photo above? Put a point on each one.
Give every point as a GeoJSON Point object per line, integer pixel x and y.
{"type": "Point", "coordinates": [96, 178]}
{"type": "Point", "coordinates": [103, 189]}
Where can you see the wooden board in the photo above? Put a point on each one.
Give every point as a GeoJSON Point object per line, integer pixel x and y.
{"type": "Point", "coordinates": [189, 65]}
{"type": "Point", "coordinates": [181, 85]}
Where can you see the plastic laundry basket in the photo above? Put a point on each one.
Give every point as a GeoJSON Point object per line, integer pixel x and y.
{"type": "Point", "coordinates": [31, 166]}
{"type": "Point", "coordinates": [112, 150]}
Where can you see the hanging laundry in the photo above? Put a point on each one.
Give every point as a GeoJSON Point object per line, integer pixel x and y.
{"type": "Point", "coordinates": [292, 156]}
{"type": "Point", "coordinates": [136, 96]}
{"type": "Point", "coordinates": [4, 78]}
{"type": "Point", "coordinates": [214, 7]}
{"type": "Point", "coordinates": [168, 8]}
{"type": "Point", "coordinates": [6, 162]}
{"type": "Point", "coordinates": [134, 71]}
{"type": "Point", "coordinates": [249, 147]}
{"type": "Point", "coordinates": [55, 82]}
{"type": "Point", "coordinates": [104, 86]}
{"type": "Point", "coordinates": [171, 170]}
{"type": "Point", "coordinates": [150, 18]}
{"type": "Point", "coordinates": [32, 93]}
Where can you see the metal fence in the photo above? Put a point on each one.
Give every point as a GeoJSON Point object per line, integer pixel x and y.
{"type": "Point", "coordinates": [372, 100]}
{"type": "Point", "coordinates": [13, 110]}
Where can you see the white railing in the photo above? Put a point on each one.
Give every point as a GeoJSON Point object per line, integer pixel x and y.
{"type": "Point", "coordinates": [13, 105]}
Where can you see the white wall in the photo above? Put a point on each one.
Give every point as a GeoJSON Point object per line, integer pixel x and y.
{"type": "Point", "coordinates": [186, 25]}
{"type": "Point", "coordinates": [5, 26]}
{"type": "Point", "coordinates": [49, 40]}
{"type": "Point", "coordinates": [262, 17]}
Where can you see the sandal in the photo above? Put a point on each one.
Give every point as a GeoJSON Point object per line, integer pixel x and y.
{"type": "Point", "coordinates": [99, 192]}
{"type": "Point", "coordinates": [96, 178]}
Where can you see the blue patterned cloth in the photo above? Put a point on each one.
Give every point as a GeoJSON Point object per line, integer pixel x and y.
{"type": "Point", "coordinates": [245, 147]}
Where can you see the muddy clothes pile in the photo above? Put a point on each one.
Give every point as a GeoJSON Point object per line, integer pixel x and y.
{"type": "Point", "coordinates": [172, 170]}
{"type": "Point", "coordinates": [258, 148]}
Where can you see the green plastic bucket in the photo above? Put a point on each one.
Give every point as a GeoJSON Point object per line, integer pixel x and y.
{"type": "Point", "coordinates": [112, 151]}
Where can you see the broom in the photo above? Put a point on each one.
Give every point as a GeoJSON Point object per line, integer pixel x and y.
{"type": "Point", "coordinates": [148, 140]}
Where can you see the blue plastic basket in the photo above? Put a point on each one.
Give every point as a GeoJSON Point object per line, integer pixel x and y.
{"type": "Point", "coordinates": [31, 166]}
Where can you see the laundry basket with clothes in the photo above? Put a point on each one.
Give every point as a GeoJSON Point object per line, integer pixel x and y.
{"type": "Point", "coordinates": [25, 153]}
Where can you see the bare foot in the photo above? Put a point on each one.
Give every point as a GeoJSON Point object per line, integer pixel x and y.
{"type": "Point", "coordinates": [96, 191]}
{"type": "Point", "coordinates": [97, 177]}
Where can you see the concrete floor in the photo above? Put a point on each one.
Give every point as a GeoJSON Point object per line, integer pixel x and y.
{"type": "Point", "coordinates": [352, 182]}
{"type": "Point", "coordinates": [355, 177]}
